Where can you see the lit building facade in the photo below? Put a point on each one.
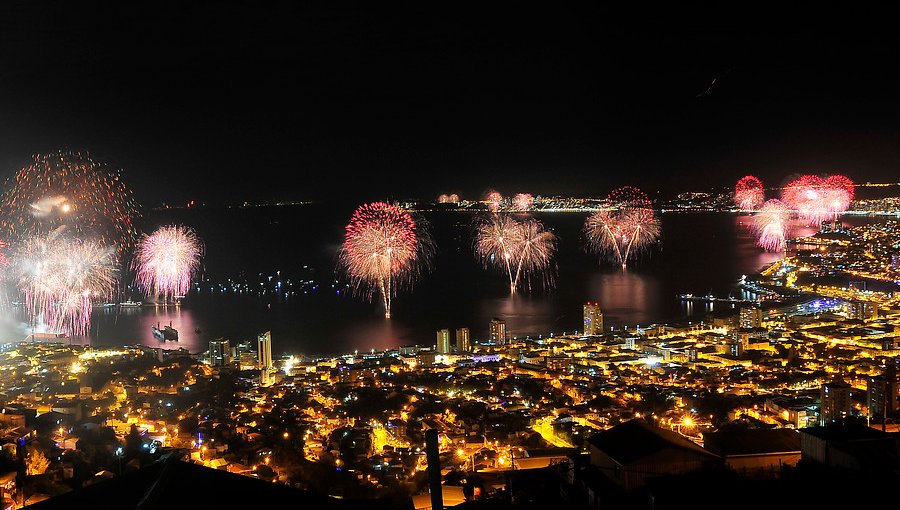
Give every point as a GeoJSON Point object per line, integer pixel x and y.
{"type": "Point", "coordinates": [881, 397]}
{"type": "Point", "coordinates": [836, 402]}
{"type": "Point", "coordinates": [219, 353]}
{"type": "Point", "coordinates": [264, 355]}
{"type": "Point", "coordinates": [443, 341]}
{"type": "Point", "coordinates": [750, 317]}
{"type": "Point", "coordinates": [463, 343]}
{"type": "Point", "coordinates": [498, 331]}
{"type": "Point", "coordinates": [593, 319]}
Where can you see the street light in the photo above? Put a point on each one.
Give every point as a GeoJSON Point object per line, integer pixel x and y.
{"type": "Point", "coordinates": [119, 453]}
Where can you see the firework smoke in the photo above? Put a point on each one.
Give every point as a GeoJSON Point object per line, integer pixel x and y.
{"type": "Point", "coordinates": [69, 189]}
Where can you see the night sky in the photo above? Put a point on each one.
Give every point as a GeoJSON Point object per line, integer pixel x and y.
{"type": "Point", "coordinates": [224, 102]}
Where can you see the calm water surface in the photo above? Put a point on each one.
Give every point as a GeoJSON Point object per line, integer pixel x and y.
{"type": "Point", "coordinates": [698, 253]}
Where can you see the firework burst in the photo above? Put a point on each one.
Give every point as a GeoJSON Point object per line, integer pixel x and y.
{"type": "Point", "coordinates": [771, 225]}
{"type": "Point", "coordinates": [61, 278]}
{"type": "Point", "coordinates": [817, 199]}
{"type": "Point", "coordinates": [494, 201]}
{"type": "Point", "coordinates": [629, 197]}
{"type": "Point", "coordinates": [523, 202]}
{"type": "Point", "coordinates": [69, 189]}
{"type": "Point", "coordinates": [495, 240]}
{"type": "Point", "coordinates": [839, 193]}
{"type": "Point", "coordinates": [166, 260]}
{"type": "Point", "coordinates": [523, 248]}
{"type": "Point", "coordinates": [622, 233]}
{"type": "Point", "coordinates": [748, 193]}
{"type": "Point", "coordinates": [384, 249]}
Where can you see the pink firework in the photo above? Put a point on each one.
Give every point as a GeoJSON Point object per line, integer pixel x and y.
{"type": "Point", "coordinates": [817, 199]}
{"type": "Point", "coordinates": [839, 193]}
{"type": "Point", "coordinates": [443, 199]}
{"type": "Point", "coordinates": [383, 249]}
{"type": "Point", "coordinates": [748, 193]}
{"type": "Point", "coordinates": [806, 196]}
{"type": "Point", "coordinates": [61, 278]}
{"type": "Point", "coordinates": [494, 201]}
{"type": "Point", "coordinates": [166, 260]}
{"type": "Point", "coordinates": [523, 202]}
{"type": "Point", "coordinates": [453, 198]}
{"type": "Point", "coordinates": [772, 225]}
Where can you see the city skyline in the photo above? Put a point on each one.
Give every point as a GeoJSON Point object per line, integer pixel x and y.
{"type": "Point", "coordinates": [420, 256]}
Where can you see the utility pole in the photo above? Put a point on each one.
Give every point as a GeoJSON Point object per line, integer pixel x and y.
{"type": "Point", "coordinates": [432, 455]}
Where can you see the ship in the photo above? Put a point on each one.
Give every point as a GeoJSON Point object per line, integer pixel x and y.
{"type": "Point", "coordinates": [47, 337]}
{"type": "Point", "coordinates": [166, 333]}
{"type": "Point", "coordinates": [130, 304]}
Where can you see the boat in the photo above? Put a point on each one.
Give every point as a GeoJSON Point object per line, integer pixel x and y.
{"type": "Point", "coordinates": [47, 337]}
{"type": "Point", "coordinates": [130, 304]}
{"type": "Point", "coordinates": [167, 333]}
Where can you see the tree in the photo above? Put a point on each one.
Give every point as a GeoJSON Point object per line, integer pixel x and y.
{"type": "Point", "coordinates": [36, 463]}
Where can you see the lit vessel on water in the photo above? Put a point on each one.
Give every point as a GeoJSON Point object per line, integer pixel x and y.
{"type": "Point", "coordinates": [166, 333]}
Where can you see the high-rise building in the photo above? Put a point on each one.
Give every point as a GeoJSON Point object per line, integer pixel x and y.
{"type": "Point", "coordinates": [593, 319]}
{"type": "Point", "coordinates": [264, 356]}
{"type": "Point", "coordinates": [882, 397]}
{"type": "Point", "coordinates": [863, 310]}
{"type": "Point", "coordinates": [835, 402]}
{"type": "Point", "coordinates": [750, 317]}
{"type": "Point", "coordinates": [498, 331]}
{"type": "Point", "coordinates": [463, 344]}
{"type": "Point", "coordinates": [736, 348]}
{"type": "Point", "coordinates": [443, 341]}
{"type": "Point", "coordinates": [219, 353]}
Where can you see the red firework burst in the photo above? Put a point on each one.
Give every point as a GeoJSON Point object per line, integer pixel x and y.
{"type": "Point", "coordinates": [748, 193]}
{"type": "Point", "coordinates": [817, 199]}
{"type": "Point", "coordinates": [629, 197]}
{"type": "Point", "coordinates": [383, 249]}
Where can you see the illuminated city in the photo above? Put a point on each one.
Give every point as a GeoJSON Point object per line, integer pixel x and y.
{"type": "Point", "coordinates": [416, 258]}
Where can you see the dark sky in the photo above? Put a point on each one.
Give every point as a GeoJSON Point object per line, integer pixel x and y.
{"type": "Point", "coordinates": [226, 101]}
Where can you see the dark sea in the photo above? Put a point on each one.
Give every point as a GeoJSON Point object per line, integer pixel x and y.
{"type": "Point", "coordinates": [698, 253]}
